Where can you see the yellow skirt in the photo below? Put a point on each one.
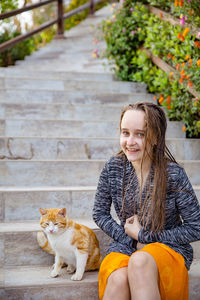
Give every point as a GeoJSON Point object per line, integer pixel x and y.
{"type": "Point", "coordinates": [173, 275]}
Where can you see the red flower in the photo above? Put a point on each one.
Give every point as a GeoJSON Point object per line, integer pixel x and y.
{"type": "Point", "coordinates": [161, 99]}
{"type": "Point", "coordinates": [168, 100]}
{"type": "Point", "coordinates": [184, 128]}
{"type": "Point", "coordinates": [185, 32]}
{"type": "Point", "coordinates": [179, 35]}
{"type": "Point", "coordinates": [181, 3]}
{"type": "Point", "coordinates": [197, 44]}
{"type": "Point", "coordinates": [182, 38]}
{"type": "Point", "coordinates": [182, 72]}
{"type": "Point", "coordinates": [190, 83]}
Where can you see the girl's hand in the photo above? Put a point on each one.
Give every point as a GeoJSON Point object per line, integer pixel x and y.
{"type": "Point", "coordinates": [132, 227]}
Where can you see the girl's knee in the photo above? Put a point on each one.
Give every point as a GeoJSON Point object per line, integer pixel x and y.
{"type": "Point", "coordinates": [117, 285]}
{"type": "Point", "coordinates": [140, 261]}
{"type": "Point", "coordinates": [118, 279]}
{"type": "Point", "coordinates": [143, 272]}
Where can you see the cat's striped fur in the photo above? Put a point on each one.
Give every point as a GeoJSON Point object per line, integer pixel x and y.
{"type": "Point", "coordinates": [72, 244]}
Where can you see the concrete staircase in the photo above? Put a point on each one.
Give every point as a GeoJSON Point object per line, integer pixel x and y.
{"type": "Point", "coordinates": [59, 112]}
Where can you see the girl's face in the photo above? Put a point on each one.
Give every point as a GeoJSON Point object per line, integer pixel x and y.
{"type": "Point", "coordinates": [132, 135]}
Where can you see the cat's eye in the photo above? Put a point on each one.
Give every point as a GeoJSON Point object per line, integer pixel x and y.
{"type": "Point", "coordinates": [46, 223]}
{"type": "Point", "coordinates": [55, 223]}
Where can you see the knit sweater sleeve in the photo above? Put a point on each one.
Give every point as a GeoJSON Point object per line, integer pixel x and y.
{"type": "Point", "coordinates": [101, 211]}
{"type": "Point", "coordinates": [189, 210]}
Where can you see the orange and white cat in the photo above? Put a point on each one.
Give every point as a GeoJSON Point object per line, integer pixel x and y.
{"type": "Point", "coordinates": [72, 244]}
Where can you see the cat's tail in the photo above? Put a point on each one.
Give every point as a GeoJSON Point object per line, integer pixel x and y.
{"type": "Point", "coordinates": [44, 243]}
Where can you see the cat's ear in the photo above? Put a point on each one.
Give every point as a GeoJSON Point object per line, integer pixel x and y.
{"type": "Point", "coordinates": [43, 211]}
{"type": "Point", "coordinates": [62, 212]}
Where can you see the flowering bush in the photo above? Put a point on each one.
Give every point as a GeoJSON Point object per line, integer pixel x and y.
{"type": "Point", "coordinates": [180, 49]}
{"type": "Point", "coordinates": [182, 55]}
{"type": "Point", "coordinates": [124, 34]}
{"type": "Point", "coordinates": [187, 10]}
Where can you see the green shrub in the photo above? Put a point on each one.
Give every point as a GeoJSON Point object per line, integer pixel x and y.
{"type": "Point", "coordinates": [17, 52]}
{"type": "Point", "coordinates": [173, 44]}
{"type": "Point", "coordinates": [6, 5]}
{"type": "Point", "coordinates": [76, 19]}
{"type": "Point", "coordinates": [125, 33]}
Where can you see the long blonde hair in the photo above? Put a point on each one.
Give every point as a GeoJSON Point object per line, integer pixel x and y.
{"type": "Point", "coordinates": [155, 130]}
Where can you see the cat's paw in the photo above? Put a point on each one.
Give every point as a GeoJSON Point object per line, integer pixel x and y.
{"type": "Point", "coordinates": [54, 273]}
{"type": "Point", "coordinates": [70, 269]}
{"type": "Point", "coordinates": [77, 277]}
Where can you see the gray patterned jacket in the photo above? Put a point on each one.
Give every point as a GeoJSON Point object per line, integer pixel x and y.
{"type": "Point", "coordinates": [182, 224]}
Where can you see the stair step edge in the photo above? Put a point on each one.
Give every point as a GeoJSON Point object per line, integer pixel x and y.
{"type": "Point", "coordinates": [47, 188]}
{"type": "Point", "coordinates": [30, 276]}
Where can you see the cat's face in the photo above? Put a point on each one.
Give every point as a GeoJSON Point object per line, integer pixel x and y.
{"type": "Point", "coordinates": [53, 220]}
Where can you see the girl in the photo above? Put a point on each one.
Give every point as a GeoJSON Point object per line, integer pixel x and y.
{"type": "Point", "coordinates": [158, 211]}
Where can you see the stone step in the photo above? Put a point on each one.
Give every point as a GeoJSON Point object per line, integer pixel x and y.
{"type": "Point", "coordinates": [22, 203]}
{"type": "Point", "coordinates": [13, 72]}
{"type": "Point", "coordinates": [70, 63]}
{"type": "Point", "coordinates": [61, 149]}
{"type": "Point", "coordinates": [31, 275]}
{"type": "Point", "coordinates": [55, 173]}
{"type": "Point", "coordinates": [20, 247]}
{"type": "Point", "coordinates": [83, 148]}
{"type": "Point", "coordinates": [71, 85]}
{"type": "Point", "coordinates": [66, 57]}
{"type": "Point", "coordinates": [35, 283]}
{"type": "Point", "coordinates": [42, 111]}
{"type": "Point", "coordinates": [23, 283]}
{"type": "Point", "coordinates": [75, 129]}
{"type": "Point", "coordinates": [57, 50]}
{"type": "Point", "coordinates": [72, 60]}
{"type": "Point", "coordinates": [67, 173]}
{"type": "Point", "coordinates": [19, 204]}
{"type": "Point", "coordinates": [63, 112]}
{"type": "Point", "coordinates": [73, 97]}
